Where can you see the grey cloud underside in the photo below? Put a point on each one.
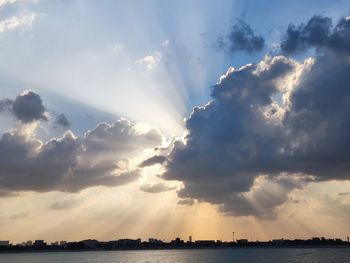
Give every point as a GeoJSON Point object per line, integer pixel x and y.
{"type": "Point", "coordinates": [156, 188]}
{"type": "Point", "coordinates": [156, 159]}
{"type": "Point", "coordinates": [241, 38]}
{"type": "Point", "coordinates": [185, 202]}
{"type": "Point", "coordinates": [71, 164]}
{"type": "Point", "coordinates": [242, 134]}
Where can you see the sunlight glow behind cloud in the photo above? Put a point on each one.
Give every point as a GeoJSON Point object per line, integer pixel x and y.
{"type": "Point", "coordinates": [133, 89]}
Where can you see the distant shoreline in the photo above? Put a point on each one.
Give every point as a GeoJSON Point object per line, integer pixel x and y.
{"type": "Point", "coordinates": [155, 249]}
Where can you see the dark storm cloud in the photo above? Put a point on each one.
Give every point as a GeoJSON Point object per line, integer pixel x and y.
{"type": "Point", "coordinates": [241, 38]}
{"type": "Point", "coordinates": [318, 33]}
{"type": "Point", "coordinates": [62, 120]}
{"type": "Point", "coordinates": [156, 159]}
{"type": "Point", "coordinates": [71, 164]}
{"type": "Point", "coordinates": [28, 107]}
{"type": "Point", "coordinates": [156, 188]}
{"type": "Point", "coordinates": [242, 134]}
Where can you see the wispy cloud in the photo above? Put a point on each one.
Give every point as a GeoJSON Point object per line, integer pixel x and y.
{"type": "Point", "coordinates": [5, 2]}
{"type": "Point", "coordinates": [16, 21]}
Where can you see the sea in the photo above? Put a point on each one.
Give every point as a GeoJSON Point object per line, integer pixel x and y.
{"type": "Point", "coordinates": [249, 255]}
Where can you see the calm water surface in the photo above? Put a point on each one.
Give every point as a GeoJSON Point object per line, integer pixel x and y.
{"type": "Point", "coordinates": [179, 256]}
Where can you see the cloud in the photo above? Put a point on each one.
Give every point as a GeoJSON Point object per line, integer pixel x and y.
{"type": "Point", "coordinates": [241, 38]}
{"type": "Point", "coordinates": [5, 105]}
{"type": "Point", "coordinates": [151, 60]}
{"type": "Point", "coordinates": [337, 206]}
{"type": "Point", "coordinates": [185, 202]}
{"type": "Point", "coordinates": [16, 21]}
{"type": "Point", "coordinates": [118, 47]}
{"type": "Point", "coordinates": [245, 151]}
{"type": "Point", "coordinates": [166, 43]}
{"type": "Point", "coordinates": [28, 107]}
{"type": "Point", "coordinates": [123, 136]}
{"type": "Point", "coordinates": [317, 33]}
{"type": "Point", "coordinates": [67, 203]}
{"type": "Point", "coordinates": [62, 120]}
{"type": "Point", "coordinates": [71, 164]}
{"type": "Point", "coordinates": [264, 196]}
{"type": "Point", "coordinates": [4, 193]}
{"type": "Point", "coordinates": [19, 215]}
{"type": "Point", "coordinates": [156, 159]}
{"type": "Point", "coordinates": [9, 2]}
{"type": "Point", "coordinates": [5, 2]}
{"type": "Point", "coordinates": [156, 188]}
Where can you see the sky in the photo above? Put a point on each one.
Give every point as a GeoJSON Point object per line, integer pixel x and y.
{"type": "Point", "coordinates": [139, 119]}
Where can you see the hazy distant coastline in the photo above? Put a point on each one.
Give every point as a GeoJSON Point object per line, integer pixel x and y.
{"type": "Point", "coordinates": [176, 244]}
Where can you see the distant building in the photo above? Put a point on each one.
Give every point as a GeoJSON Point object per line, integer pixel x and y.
{"type": "Point", "coordinates": [39, 243]}
{"type": "Point", "coordinates": [125, 243]}
{"type": "Point", "coordinates": [242, 241]}
{"type": "Point", "coordinates": [63, 243]}
{"type": "Point", "coordinates": [153, 241]}
{"type": "Point", "coordinates": [278, 242]}
{"type": "Point", "coordinates": [90, 243]}
{"type": "Point", "coordinates": [4, 243]}
{"type": "Point", "coordinates": [29, 243]}
{"type": "Point", "coordinates": [130, 242]}
{"type": "Point", "coordinates": [55, 243]}
{"type": "Point", "coordinates": [177, 242]}
{"type": "Point", "coordinates": [205, 243]}
{"type": "Point", "coordinates": [190, 239]}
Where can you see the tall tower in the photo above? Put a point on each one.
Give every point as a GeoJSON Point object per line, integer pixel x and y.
{"type": "Point", "coordinates": [233, 236]}
{"type": "Point", "coordinates": [190, 239]}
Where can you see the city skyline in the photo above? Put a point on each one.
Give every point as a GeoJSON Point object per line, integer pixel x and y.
{"type": "Point", "coordinates": [174, 118]}
{"type": "Point", "coordinates": [154, 243]}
